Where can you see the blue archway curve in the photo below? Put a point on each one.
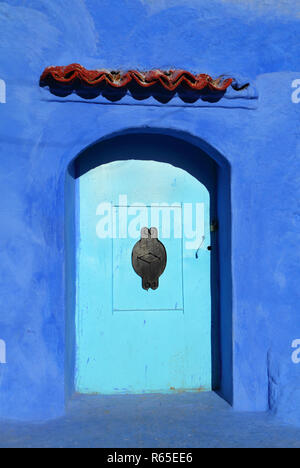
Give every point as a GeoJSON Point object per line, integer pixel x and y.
{"type": "Point", "coordinates": [201, 159]}
{"type": "Point", "coordinates": [187, 137]}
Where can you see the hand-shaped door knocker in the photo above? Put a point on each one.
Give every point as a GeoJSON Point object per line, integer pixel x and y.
{"type": "Point", "coordinates": [149, 258]}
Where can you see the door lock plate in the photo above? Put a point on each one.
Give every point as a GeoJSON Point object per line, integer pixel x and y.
{"type": "Point", "coordinates": [149, 258]}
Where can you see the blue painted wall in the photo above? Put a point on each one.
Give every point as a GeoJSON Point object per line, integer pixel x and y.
{"type": "Point", "coordinates": [40, 136]}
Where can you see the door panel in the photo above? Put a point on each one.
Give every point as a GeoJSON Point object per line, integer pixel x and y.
{"type": "Point", "coordinates": [128, 293]}
{"type": "Point", "coordinates": [129, 339]}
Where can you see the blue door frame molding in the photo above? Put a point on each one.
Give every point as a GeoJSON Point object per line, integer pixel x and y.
{"type": "Point", "coordinates": [210, 168]}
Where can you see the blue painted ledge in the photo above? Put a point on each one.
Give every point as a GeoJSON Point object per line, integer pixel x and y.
{"type": "Point", "coordinates": [245, 99]}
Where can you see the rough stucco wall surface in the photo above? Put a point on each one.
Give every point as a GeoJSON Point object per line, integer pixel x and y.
{"type": "Point", "coordinates": [40, 136]}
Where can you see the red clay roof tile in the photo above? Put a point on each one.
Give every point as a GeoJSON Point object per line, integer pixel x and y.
{"type": "Point", "coordinates": [73, 77]}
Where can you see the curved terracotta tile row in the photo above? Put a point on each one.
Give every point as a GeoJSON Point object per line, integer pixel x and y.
{"type": "Point", "coordinates": [113, 85]}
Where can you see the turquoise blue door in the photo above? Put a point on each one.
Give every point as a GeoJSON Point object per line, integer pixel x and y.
{"type": "Point", "coordinates": [129, 339]}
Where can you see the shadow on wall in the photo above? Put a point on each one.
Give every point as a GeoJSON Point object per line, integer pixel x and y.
{"type": "Point", "coordinates": [210, 168]}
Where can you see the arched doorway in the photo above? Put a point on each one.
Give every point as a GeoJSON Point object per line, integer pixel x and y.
{"type": "Point", "coordinates": [132, 165]}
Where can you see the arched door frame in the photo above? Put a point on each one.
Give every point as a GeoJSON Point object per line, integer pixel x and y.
{"type": "Point", "coordinates": [222, 324]}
